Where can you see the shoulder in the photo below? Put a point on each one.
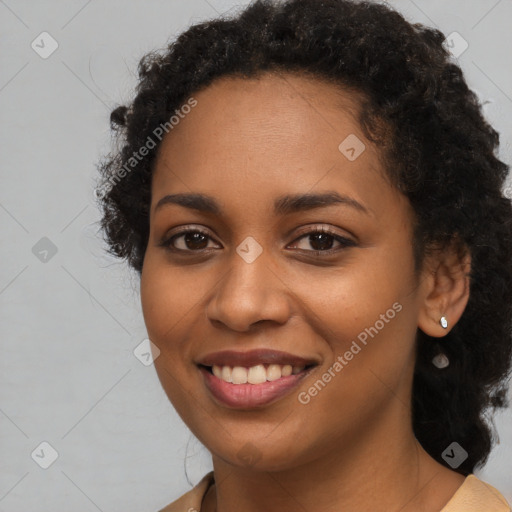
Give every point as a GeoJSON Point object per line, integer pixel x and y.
{"type": "Point", "coordinates": [475, 495]}
{"type": "Point", "coordinates": [191, 500]}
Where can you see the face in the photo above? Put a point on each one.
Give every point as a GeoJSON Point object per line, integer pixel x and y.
{"type": "Point", "coordinates": [331, 281]}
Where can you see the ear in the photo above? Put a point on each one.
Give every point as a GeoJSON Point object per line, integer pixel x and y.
{"type": "Point", "coordinates": [445, 290]}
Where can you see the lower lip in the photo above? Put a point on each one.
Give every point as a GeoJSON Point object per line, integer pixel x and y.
{"type": "Point", "coordinates": [251, 395]}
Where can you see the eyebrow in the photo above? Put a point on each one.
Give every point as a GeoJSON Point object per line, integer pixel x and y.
{"type": "Point", "coordinates": [283, 205]}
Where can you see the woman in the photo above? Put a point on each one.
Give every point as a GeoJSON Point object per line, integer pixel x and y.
{"type": "Point", "coordinates": [311, 196]}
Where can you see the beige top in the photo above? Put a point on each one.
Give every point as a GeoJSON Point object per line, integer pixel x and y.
{"type": "Point", "coordinates": [473, 495]}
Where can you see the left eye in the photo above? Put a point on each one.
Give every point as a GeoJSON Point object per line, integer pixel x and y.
{"type": "Point", "coordinates": [322, 241]}
{"type": "Point", "coordinates": [194, 241]}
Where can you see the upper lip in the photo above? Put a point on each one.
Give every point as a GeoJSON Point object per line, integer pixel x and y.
{"type": "Point", "coordinates": [254, 358]}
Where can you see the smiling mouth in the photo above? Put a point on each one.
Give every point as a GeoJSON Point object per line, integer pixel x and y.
{"type": "Point", "coordinates": [245, 388]}
{"type": "Point", "coordinates": [255, 375]}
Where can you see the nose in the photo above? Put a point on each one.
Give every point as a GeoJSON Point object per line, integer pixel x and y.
{"type": "Point", "coordinates": [249, 293]}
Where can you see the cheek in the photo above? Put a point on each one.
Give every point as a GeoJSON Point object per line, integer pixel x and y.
{"type": "Point", "coordinates": [342, 302]}
{"type": "Point", "coordinates": [167, 297]}
{"type": "Point", "coordinates": [166, 302]}
{"type": "Point", "coordinates": [366, 315]}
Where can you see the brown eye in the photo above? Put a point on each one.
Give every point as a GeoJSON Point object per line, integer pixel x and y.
{"type": "Point", "coordinates": [190, 240]}
{"type": "Point", "coordinates": [322, 240]}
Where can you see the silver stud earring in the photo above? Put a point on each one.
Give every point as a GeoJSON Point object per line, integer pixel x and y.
{"type": "Point", "coordinates": [443, 322]}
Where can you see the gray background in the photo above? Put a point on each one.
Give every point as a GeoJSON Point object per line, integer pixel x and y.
{"type": "Point", "coordinates": [70, 324]}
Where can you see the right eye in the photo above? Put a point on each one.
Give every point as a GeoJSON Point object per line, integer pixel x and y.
{"type": "Point", "coordinates": [190, 240]}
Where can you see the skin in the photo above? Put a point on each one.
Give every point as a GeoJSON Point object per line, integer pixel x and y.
{"type": "Point", "coordinates": [352, 446]}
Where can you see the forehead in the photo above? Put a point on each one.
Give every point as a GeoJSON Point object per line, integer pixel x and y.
{"type": "Point", "coordinates": [272, 135]}
{"type": "Point", "coordinates": [285, 108]}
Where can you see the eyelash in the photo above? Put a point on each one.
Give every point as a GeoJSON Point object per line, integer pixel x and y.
{"type": "Point", "coordinates": [344, 242]}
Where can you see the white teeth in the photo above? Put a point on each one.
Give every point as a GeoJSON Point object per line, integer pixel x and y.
{"type": "Point", "coordinates": [239, 375]}
{"type": "Point", "coordinates": [286, 370]}
{"type": "Point", "coordinates": [273, 372]}
{"type": "Point", "coordinates": [225, 373]}
{"type": "Point", "coordinates": [255, 374]}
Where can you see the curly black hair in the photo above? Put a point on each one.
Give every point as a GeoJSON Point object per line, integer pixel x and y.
{"type": "Point", "coordinates": [437, 148]}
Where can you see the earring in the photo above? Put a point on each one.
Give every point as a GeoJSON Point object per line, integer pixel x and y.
{"type": "Point", "coordinates": [441, 360]}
